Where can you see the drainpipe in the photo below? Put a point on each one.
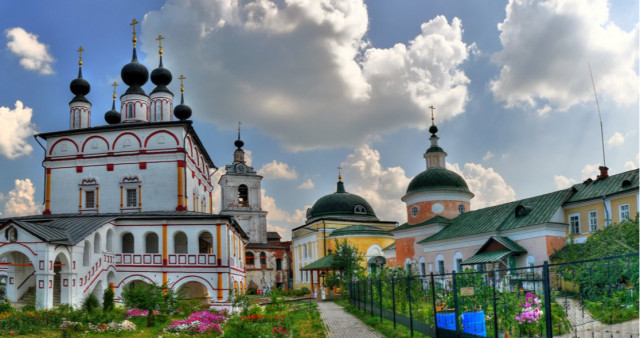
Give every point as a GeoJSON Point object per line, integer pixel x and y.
{"type": "Point", "coordinates": [607, 219]}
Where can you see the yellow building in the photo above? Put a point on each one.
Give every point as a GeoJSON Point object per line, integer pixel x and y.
{"type": "Point", "coordinates": [339, 216]}
{"type": "Point", "coordinates": [597, 203]}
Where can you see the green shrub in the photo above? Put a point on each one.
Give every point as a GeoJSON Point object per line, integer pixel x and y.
{"type": "Point", "coordinates": [91, 303]}
{"type": "Point", "coordinates": [107, 299]}
{"type": "Point", "coordinates": [252, 291]}
{"type": "Point", "coordinates": [5, 307]}
{"type": "Point", "coordinates": [305, 290]}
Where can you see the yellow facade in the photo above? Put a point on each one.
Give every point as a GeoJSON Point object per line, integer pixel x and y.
{"type": "Point", "coordinates": [312, 236]}
{"type": "Point", "coordinates": [597, 205]}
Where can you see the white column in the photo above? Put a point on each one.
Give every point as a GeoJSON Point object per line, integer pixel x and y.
{"type": "Point", "coordinates": [44, 290]}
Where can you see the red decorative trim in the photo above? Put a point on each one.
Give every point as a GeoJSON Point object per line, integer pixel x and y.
{"type": "Point", "coordinates": [88, 181]}
{"type": "Point", "coordinates": [50, 265]}
{"type": "Point", "coordinates": [46, 212]}
{"type": "Point", "coordinates": [65, 282]}
{"type": "Point", "coordinates": [11, 280]}
{"type": "Point", "coordinates": [146, 141]}
{"type": "Point", "coordinates": [40, 284]}
{"type": "Point", "coordinates": [143, 276]}
{"type": "Point", "coordinates": [79, 169]}
{"type": "Point", "coordinates": [50, 284]}
{"type": "Point", "coordinates": [194, 276]}
{"type": "Point", "coordinates": [41, 265]}
{"type": "Point", "coordinates": [180, 163]}
{"type": "Point", "coordinates": [73, 282]}
{"type": "Point", "coordinates": [109, 166]}
{"type": "Point", "coordinates": [115, 142]}
{"type": "Point", "coordinates": [143, 165]}
{"type": "Point", "coordinates": [48, 170]}
{"type": "Point", "coordinates": [95, 136]}
{"type": "Point", "coordinates": [60, 140]}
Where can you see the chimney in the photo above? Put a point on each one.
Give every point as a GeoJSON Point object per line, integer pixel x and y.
{"type": "Point", "coordinates": [604, 172]}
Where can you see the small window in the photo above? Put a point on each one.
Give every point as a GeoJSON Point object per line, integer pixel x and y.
{"type": "Point", "coordinates": [132, 198]}
{"type": "Point", "coordinates": [249, 258]}
{"type": "Point", "coordinates": [440, 265]}
{"type": "Point", "coordinates": [624, 212]}
{"type": "Point", "coordinates": [414, 211]}
{"type": "Point", "coordinates": [574, 224]}
{"type": "Point", "coordinates": [360, 209]}
{"type": "Point", "coordinates": [459, 265]}
{"type": "Point", "coordinates": [90, 199]}
{"type": "Point", "coordinates": [279, 264]}
{"type": "Point", "coordinates": [263, 258]}
{"type": "Point", "coordinates": [593, 220]}
{"type": "Point", "coordinates": [130, 111]}
{"type": "Point", "coordinates": [461, 208]}
{"type": "Point", "coordinates": [243, 195]}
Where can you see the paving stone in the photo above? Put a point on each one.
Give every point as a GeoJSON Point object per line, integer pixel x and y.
{"type": "Point", "coordinates": [343, 324]}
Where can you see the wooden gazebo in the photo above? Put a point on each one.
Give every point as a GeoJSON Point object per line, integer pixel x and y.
{"type": "Point", "coordinates": [324, 264]}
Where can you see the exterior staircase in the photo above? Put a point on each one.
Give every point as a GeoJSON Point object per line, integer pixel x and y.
{"type": "Point", "coordinates": [29, 297]}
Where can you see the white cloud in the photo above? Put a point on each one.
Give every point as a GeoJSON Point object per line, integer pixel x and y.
{"type": "Point", "coordinates": [15, 129]}
{"type": "Point", "coordinates": [590, 171]}
{"type": "Point", "coordinates": [563, 182]}
{"type": "Point", "coordinates": [545, 49]}
{"type": "Point", "coordinates": [629, 165]}
{"type": "Point", "coordinates": [21, 201]}
{"type": "Point", "coordinates": [278, 170]}
{"type": "Point", "coordinates": [615, 140]}
{"type": "Point", "coordinates": [489, 155]}
{"type": "Point", "coordinates": [308, 184]}
{"type": "Point", "coordinates": [329, 76]}
{"type": "Point", "coordinates": [487, 185]}
{"type": "Point", "coordinates": [381, 187]}
{"type": "Point", "coordinates": [248, 157]}
{"type": "Point", "coordinates": [281, 220]}
{"type": "Point", "coordinates": [33, 54]}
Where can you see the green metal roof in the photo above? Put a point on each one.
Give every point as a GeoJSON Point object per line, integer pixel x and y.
{"type": "Point", "coordinates": [613, 184]}
{"type": "Point", "coordinates": [359, 230]}
{"type": "Point", "coordinates": [437, 179]}
{"type": "Point", "coordinates": [503, 217]}
{"type": "Point", "coordinates": [432, 220]}
{"type": "Point", "coordinates": [325, 262]}
{"type": "Point", "coordinates": [508, 243]}
{"type": "Point", "coordinates": [341, 204]}
{"type": "Point", "coordinates": [487, 257]}
{"type": "Point", "coordinates": [435, 149]}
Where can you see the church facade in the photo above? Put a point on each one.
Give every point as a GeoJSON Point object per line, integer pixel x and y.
{"type": "Point", "coordinates": [125, 203]}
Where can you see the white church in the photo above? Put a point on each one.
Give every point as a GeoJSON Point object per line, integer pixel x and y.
{"type": "Point", "coordinates": [127, 202]}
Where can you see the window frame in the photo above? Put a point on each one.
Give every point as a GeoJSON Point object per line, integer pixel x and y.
{"type": "Point", "coordinates": [128, 200]}
{"type": "Point", "coordinates": [593, 220]}
{"type": "Point", "coordinates": [462, 208]}
{"type": "Point", "coordinates": [360, 209]}
{"type": "Point", "coordinates": [627, 212]}
{"type": "Point", "coordinates": [572, 225]}
{"type": "Point", "coordinates": [91, 193]}
{"type": "Point", "coordinates": [414, 211]}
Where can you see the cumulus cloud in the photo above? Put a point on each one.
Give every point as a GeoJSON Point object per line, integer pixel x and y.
{"type": "Point", "coordinates": [630, 165]}
{"type": "Point", "coordinates": [278, 170]}
{"type": "Point", "coordinates": [563, 182]}
{"type": "Point", "coordinates": [308, 67]}
{"type": "Point", "coordinates": [21, 201]}
{"type": "Point", "coordinates": [616, 140]}
{"type": "Point", "coordinates": [280, 220]}
{"type": "Point", "coordinates": [545, 49]}
{"type": "Point", "coordinates": [489, 155]}
{"type": "Point", "coordinates": [487, 185]}
{"type": "Point", "coordinates": [308, 184]}
{"type": "Point", "coordinates": [15, 128]}
{"type": "Point", "coordinates": [381, 187]}
{"type": "Point", "coordinates": [590, 171]}
{"type": "Point", "coordinates": [32, 53]}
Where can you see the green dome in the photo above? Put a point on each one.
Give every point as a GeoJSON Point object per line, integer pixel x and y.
{"type": "Point", "coordinates": [360, 230]}
{"type": "Point", "coordinates": [341, 204]}
{"type": "Point", "coordinates": [437, 179]}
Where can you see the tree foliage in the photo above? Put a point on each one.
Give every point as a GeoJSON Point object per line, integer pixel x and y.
{"type": "Point", "coordinates": [348, 259]}
{"type": "Point", "coordinates": [151, 298]}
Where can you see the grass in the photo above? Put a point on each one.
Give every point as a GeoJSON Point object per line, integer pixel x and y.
{"type": "Point", "coordinates": [385, 327]}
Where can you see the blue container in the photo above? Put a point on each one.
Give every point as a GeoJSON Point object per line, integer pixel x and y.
{"type": "Point", "coordinates": [474, 323]}
{"type": "Point", "coordinates": [446, 321]}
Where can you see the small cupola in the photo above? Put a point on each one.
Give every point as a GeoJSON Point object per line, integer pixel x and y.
{"type": "Point", "coordinates": [182, 111]}
{"type": "Point", "coordinates": [161, 97]}
{"type": "Point", "coordinates": [435, 156]}
{"type": "Point", "coordinates": [79, 106]}
{"type": "Point", "coordinates": [112, 116]}
{"type": "Point", "coordinates": [134, 102]}
{"type": "Point", "coordinates": [238, 154]}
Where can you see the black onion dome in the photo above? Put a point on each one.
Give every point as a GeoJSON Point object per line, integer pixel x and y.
{"type": "Point", "coordinates": [238, 143]}
{"type": "Point", "coordinates": [161, 77]}
{"type": "Point", "coordinates": [135, 75]}
{"type": "Point", "coordinates": [80, 87]}
{"type": "Point", "coordinates": [433, 129]}
{"type": "Point", "coordinates": [182, 111]}
{"type": "Point", "coordinates": [112, 116]}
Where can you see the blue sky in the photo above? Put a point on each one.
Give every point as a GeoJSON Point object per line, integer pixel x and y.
{"type": "Point", "coordinates": [322, 84]}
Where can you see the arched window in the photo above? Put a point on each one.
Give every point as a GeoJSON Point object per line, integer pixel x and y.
{"type": "Point", "coordinates": [360, 209]}
{"type": "Point", "coordinates": [127, 243]}
{"type": "Point", "coordinates": [531, 262]}
{"type": "Point", "coordinates": [205, 243]}
{"type": "Point", "coordinates": [407, 265]}
{"type": "Point", "coordinates": [130, 111]}
{"type": "Point", "coordinates": [457, 261]}
{"type": "Point", "coordinates": [96, 243]}
{"type": "Point", "coordinates": [110, 240]}
{"type": "Point", "coordinates": [423, 267]}
{"type": "Point", "coordinates": [440, 264]}
{"type": "Point", "coordinates": [151, 243]}
{"type": "Point", "coordinates": [243, 195]}
{"type": "Point", "coordinates": [249, 258]}
{"type": "Point", "coordinates": [180, 243]}
{"type": "Point", "coordinates": [263, 258]}
{"type": "Point", "coordinates": [86, 255]}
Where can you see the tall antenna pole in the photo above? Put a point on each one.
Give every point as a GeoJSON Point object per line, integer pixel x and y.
{"type": "Point", "coordinates": [604, 160]}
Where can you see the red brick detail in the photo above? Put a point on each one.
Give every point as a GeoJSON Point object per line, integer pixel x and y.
{"type": "Point", "coordinates": [180, 164]}
{"type": "Point", "coordinates": [110, 167]}
{"type": "Point", "coordinates": [79, 169]}
{"type": "Point", "coordinates": [404, 249]}
{"type": "Point", "coordinates": [554, 243]}
{"type": "Point", "coordinates": [143, 165]}
{"type": "Point", "coordinates": [424, 210]}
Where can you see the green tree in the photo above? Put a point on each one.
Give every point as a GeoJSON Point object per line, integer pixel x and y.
{"type": "Point", "coordinates": [151, 298]}
{"type": "Point", "coordinates": [347, 258]}
{"type": "Point", "coordinates": [107, 299]}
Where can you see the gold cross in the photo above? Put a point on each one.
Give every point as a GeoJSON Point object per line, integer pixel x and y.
{"type": "Point", "coordinates": [181, 83]}
{"type": "Point", "coordinates": [432, 109]}
{"type": "Point", "coordinates": [80, 50]}
{"type": "Point", "coordinates": [133, 23]}
{"type": "Point", "coordinates": [339, 173]}
{"type": "Point", "coordinates": [115, 84]}
{"type": "Point", "coordinates": [239, 125]}
{"type": "Point", "coordinates": [159, 39]}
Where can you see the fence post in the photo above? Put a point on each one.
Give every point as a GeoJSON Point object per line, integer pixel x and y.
{"type": "Point", "coordinates": [495, 309]}
{"type": "Point", "coordinates": [547, 299]}
{"type": "Point", "coordinates": [380, 296]}
{"type": "Point", "coordinates": [393, 298]}
{"type": "Point", "coordinates": [433, 301]}
{"type": "Point", "coordinates": [455, 300]}
{"type": "Point", "coordinates": [409, 298]}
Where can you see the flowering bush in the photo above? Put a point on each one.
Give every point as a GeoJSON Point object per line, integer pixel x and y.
{"type": "Point", "coordinates": [135, 312]}
{"type": "Point", "coordinates": [530, 315]}
{"type": "Point", "coordinates": [203, 322]}
{"type": "Point", "coordinates": [279, 331]}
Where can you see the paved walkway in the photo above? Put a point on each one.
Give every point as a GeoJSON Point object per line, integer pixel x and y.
{"type": "Point", "coordinates": [587, 327]}
{"type": "Point", "coordinates": [343, 324]}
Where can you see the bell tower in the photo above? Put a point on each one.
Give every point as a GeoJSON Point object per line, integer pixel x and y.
{"type": "Point", "coordinates": [241, 195]}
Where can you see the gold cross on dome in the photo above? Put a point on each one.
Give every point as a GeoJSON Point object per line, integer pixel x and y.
{"type": "Point", "coordinates": [239, 125]}
{"type": "Point", "coordinates": [339, 173]}
{"type": "Point", "coordinates": [80, 50]}
{"type": "Point", "coordinates": [181, 83]}
{"type": "Point", "coordinates": [133, 23]}
{"type": "Point", "coordinates": [159, 39]}
{"type": "Point", "coordinates": [114, 84]}
{"type": "Point", "coordinates": [432, 109]}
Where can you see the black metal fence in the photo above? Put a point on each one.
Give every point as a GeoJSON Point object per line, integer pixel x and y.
{"type": "Point", "coordinates": [580, 298]}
